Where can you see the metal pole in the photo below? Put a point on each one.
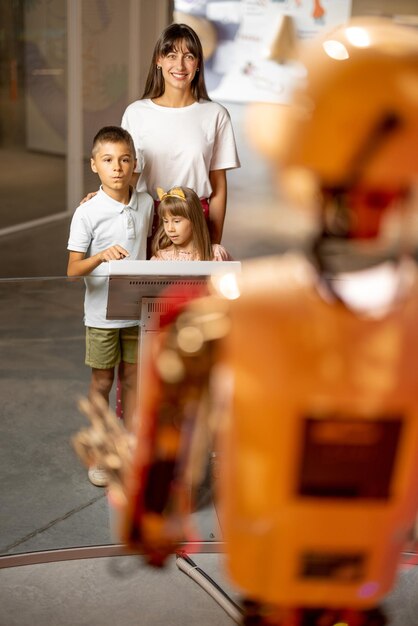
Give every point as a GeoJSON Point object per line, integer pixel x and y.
{"type": "Point", "coordinates": [74, 105]}
{"type": "Point", "coordinates": [135, 49]}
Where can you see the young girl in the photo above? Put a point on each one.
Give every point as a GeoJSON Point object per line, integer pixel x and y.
{"type": "Point", "coordinates": [183, 234]}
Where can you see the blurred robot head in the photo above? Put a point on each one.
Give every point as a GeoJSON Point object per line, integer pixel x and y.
{"type": "Point", "coordinates": [353, 126]}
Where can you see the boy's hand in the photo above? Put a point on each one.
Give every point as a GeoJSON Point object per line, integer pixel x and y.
{"type": "Point", "coordinates": [114, 253]}
{"type": "Point", "coordinates": [80, 265]}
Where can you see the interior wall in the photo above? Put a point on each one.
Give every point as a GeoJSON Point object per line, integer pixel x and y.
{"type": "Point", "coordinates": [385, 7]}
{"type": "Point", "coordinates": [12, 102]}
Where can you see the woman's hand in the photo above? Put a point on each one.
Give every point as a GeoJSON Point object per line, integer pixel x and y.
{"type": "Point", "coordinates": [217, 204]}
{"type": "Point", "coordinates": [88, 197]}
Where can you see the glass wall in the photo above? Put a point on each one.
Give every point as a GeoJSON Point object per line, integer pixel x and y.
{"type": "Point", "coordinates": [47, 500]}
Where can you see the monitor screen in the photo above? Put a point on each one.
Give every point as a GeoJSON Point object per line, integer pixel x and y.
{"type": "Point", "coordinates": [130, 281]}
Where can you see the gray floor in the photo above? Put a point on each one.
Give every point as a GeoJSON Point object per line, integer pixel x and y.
{"type": "Point", "coordinates": [46, 500]}
{"type": "Point", "coordinates": [120, 591]}
{"type": "Point", "coordinates": [108, 592]}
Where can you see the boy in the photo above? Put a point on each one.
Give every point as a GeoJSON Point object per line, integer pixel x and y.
{"type": "Point", "coordinates": [112, 225]}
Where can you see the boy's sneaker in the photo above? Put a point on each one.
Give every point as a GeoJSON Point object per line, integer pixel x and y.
{"type": "Point", "coordinates": [98, 476]}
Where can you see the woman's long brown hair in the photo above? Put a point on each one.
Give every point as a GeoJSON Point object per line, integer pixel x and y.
{"type": "Point", "coordinates": [169, 40]}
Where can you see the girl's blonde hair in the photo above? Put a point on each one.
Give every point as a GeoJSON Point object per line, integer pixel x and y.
{"type": "Point", "coordinates": [191, 209]}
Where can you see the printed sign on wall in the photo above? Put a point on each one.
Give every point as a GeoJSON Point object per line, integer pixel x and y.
{"type": "Point", "coordinates": [239, 70]}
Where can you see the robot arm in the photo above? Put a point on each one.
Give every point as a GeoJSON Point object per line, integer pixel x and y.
{"type": "Point", "coordinates": [176, 426]}
{"type": "Point", "coordinates": [152, 476]}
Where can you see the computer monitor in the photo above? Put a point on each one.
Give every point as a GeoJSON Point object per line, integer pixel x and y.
{"type": "Point", "coordinates": [130, 281]}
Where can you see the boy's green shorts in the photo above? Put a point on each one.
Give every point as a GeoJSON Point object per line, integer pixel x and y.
{"type": "Point", "coordinates": [107, 347]}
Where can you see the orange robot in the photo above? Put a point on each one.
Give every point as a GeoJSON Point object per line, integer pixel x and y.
{"type": "Point", "coordinates": [305, 366]}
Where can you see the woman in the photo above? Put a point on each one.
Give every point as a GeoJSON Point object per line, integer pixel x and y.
{"type": "Point", "coordinates": [179, 133]}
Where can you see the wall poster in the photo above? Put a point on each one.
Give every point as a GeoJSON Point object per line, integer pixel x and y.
{"type": "Point", "coordinates": [239, 70]}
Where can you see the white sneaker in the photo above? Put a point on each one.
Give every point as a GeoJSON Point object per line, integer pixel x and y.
{"type": "Point", "coordinates": [98, 476]}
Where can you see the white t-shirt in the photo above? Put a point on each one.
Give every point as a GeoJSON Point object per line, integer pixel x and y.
{"type": "Point", "coordinates": [180, 146]}
{"type": "Point", "coordinates": [98, 224]}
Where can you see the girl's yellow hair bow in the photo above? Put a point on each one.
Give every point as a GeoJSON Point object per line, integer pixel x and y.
{"type": "Point", "coordinates": [175, 192]}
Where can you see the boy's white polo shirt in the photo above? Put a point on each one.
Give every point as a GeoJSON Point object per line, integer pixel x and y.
{"type": "Point", "coordinates": [99, 224]}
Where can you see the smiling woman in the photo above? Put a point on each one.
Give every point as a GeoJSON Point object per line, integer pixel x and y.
{"type": "Point", "coordinates": [181, 136]}
{"type": "Point", "coordinates": [178, 68]}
